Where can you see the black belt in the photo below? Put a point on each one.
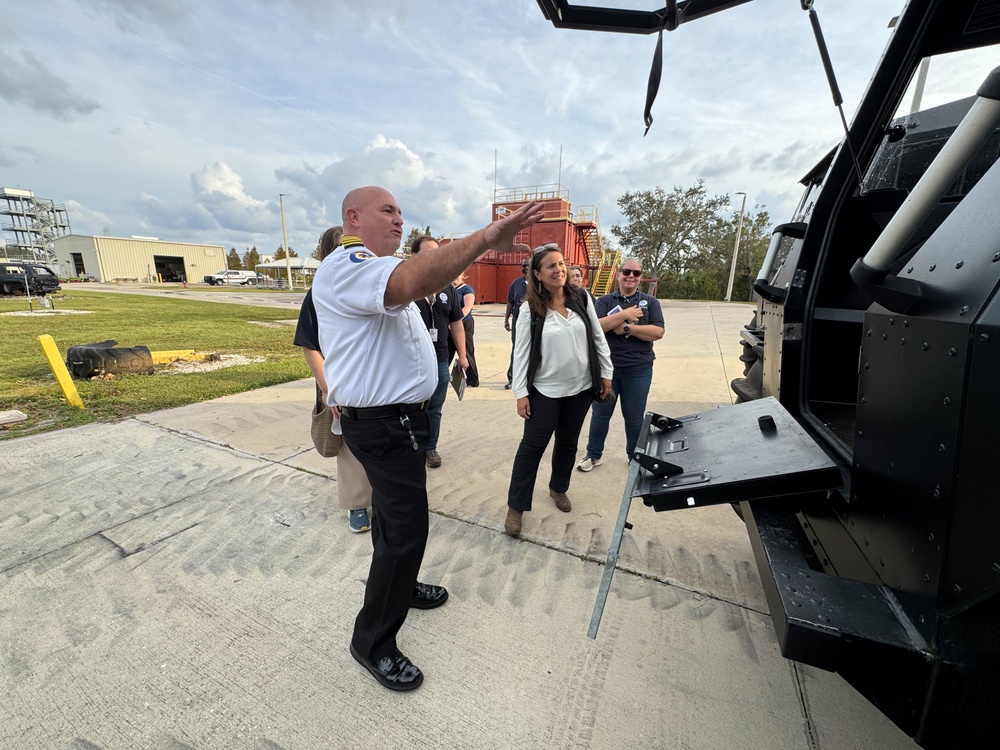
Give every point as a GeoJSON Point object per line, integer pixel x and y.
{"type": "Point", "coordinates": [381, 412]}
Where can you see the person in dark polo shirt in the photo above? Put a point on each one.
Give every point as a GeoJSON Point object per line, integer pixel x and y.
{"type": "Point", "coordinates": [632, 321]}
{"type": "Point", "coordinates": [442, 314]}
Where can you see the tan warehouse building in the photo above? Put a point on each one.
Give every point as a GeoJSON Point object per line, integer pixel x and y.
{"type": "Point", "coordinates": [136, 258]}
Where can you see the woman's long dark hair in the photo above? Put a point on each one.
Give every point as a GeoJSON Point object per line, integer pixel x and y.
{"type": "Point", "coordinates": [330, 241]}
{"type": "Point", "coordinates": [538, 297]}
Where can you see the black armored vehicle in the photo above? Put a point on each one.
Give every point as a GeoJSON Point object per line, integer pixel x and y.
{"type": "Point", "coordinates": [861, 458]}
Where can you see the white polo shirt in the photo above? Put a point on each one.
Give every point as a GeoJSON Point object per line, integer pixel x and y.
{"type": "Point", "coordinates": [374, 355]}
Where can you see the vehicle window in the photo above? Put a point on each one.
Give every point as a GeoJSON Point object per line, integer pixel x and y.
{"type": "Point", "coordinates": [948, 77]}
{"type": "Point", "coordinates": [42, 271]}
{"type": "Point", "coordinates": [14, 269]}
{"type": "Point", "coordinates": [939, 96]}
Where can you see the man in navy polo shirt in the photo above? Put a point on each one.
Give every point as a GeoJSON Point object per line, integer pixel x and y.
{"type": "Point", "coordinates": [632, 321]}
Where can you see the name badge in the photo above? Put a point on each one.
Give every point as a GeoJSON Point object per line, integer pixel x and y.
{"type": "Point", "coordinates": [433, 333]}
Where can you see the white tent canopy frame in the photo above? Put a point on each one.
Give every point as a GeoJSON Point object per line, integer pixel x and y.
{"type": "Point", "coordinates": [301, 268]}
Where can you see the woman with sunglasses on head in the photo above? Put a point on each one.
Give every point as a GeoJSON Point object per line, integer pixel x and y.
{"type": "Point", "coordinates": [561, 364]}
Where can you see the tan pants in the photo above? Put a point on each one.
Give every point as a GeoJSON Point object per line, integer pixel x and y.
{"type": "Point", "coordinates": [353, 490]}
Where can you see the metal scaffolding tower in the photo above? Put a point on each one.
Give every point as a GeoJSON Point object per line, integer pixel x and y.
{"type": "Point", "coordinates": [35, 223]}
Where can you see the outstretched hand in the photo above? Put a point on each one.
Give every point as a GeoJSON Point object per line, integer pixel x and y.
{"type": "Point", "coordinates": [499, 235]}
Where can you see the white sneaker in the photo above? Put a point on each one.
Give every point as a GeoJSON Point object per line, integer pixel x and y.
{"type": "Point", "coordinates": [588, 463]}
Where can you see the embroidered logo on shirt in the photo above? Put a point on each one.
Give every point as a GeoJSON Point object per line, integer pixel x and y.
{"type": "Point", "coordinates": [443, 297]}
{"type": "Point", "coordinates": [643, 303]}
{"type": "Point", "coordinates": [359, 256]}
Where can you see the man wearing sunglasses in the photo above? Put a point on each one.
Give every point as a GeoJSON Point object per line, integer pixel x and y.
{"type": "Point", "coordinates": [632, 321]}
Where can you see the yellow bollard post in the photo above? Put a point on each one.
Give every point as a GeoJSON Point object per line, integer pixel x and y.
{"type": "Point", "coordinates": [58, 367]}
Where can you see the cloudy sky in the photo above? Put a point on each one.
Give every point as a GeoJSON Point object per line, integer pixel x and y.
{"type": "Point", "coordinates": [185, 119]}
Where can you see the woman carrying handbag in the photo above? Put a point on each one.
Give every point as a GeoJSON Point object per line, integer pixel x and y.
{"type": "Point", "coordinates": [561, 364]}
{"type": "Point", "coordinates": [354, 492]}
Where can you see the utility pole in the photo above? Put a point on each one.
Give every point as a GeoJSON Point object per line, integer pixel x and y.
{"type": "Point", "coordinates": [284, 235]}
{"type": "Point", "coordinates": [736, 250]}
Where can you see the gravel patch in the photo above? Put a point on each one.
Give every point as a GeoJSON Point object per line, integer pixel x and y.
{"type": "Point", "coordinates": [224, 360]}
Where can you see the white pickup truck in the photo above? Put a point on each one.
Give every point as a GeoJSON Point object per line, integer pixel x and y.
{"type": "Point", "coordinates": [244, 278]}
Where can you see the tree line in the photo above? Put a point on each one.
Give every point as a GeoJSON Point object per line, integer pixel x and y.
{"type": "Point", "coordinates": [251, 258]}
{"type": "Point", "coordinates": [685, 239]}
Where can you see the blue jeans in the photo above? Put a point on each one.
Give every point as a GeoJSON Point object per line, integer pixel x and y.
{"type": "Point", "coordinates": [631, 387]}
{"type": "Point", "coordinates": [435, 404]}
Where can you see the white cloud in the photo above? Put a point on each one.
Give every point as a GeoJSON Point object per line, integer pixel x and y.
{"type": "Point", "coordinates": [209, 110]}
{"type": "Point", "coordinates": [83, 220]}
{"type": "Point", "coordinates": [219, 190]}
{"type": "Point", "coordinates": [26, 79]}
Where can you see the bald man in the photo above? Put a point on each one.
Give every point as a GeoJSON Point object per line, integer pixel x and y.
{"type": "Point", "coordinates": [381, 370]}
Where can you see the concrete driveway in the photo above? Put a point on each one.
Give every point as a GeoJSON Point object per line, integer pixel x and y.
{"type": "Point", "coordinates": [184, 580]}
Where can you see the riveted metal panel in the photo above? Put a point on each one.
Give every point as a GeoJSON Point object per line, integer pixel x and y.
{"type": "Point", "coordinates": [972, 557]}
{"type": "Point", "coordinates": [914, 412]}
{"type": "Point", "coordinates": [909, 407]}
{"type": "Point", "coordinates": [772, 320]}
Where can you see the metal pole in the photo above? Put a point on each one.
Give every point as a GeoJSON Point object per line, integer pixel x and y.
{"type": "Point", "coordinates": [736, 250]}
{"type": "Point", "coordinates": [616, 543]}
{"type": "Point", "coordinates": [284, 235]}
{"type": "Point", "coordinates": [918, 93]}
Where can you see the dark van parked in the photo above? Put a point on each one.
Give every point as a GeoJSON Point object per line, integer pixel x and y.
{"type": "Point", "coordinates": [19, 277]}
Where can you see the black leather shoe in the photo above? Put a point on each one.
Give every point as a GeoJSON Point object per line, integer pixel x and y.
{"type": "Point", "coordinates": [395, 672]}
{"type": "Point", "coordinates": [426, 596]}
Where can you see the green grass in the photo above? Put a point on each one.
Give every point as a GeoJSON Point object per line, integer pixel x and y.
{"type": "Point", "coordinates": [27, 384]}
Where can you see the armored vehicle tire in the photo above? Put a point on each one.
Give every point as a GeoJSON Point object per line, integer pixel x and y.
{"type": "Point", "coordinates": [751, 387]}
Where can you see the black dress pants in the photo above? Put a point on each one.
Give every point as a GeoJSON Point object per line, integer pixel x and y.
{"type": "Point", "coordinates": [513, 339]}
{"type": "Point", "coordinates": [471, 374]}
{"type": "Point", "coordinates": [398, 475]}
{"type": "Point", "coordinates": [564, 417]}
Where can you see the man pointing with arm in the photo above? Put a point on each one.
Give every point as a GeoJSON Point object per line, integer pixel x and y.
{"type": "Point", "coordinates": [381, 370]}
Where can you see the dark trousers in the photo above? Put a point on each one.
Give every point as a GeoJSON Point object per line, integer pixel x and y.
{"type": "Point", "coordinates": [398, 476]}
{"type": "Point", "coordinates": [562, 416]}
{"type": "Point", "coordinates": [472, 373]}
{"type": "Point", "coordinates": [513, 336]}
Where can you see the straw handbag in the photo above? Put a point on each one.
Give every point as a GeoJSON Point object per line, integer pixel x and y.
{"type": "Point", "coordinates": [327, 444]}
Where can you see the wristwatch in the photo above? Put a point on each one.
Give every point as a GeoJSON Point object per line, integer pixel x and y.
{"type": "Point", "coordinates": [628, 329]}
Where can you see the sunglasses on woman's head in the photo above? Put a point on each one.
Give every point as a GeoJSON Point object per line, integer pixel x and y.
{"type": "Point", "coordinates": [631, 272]}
